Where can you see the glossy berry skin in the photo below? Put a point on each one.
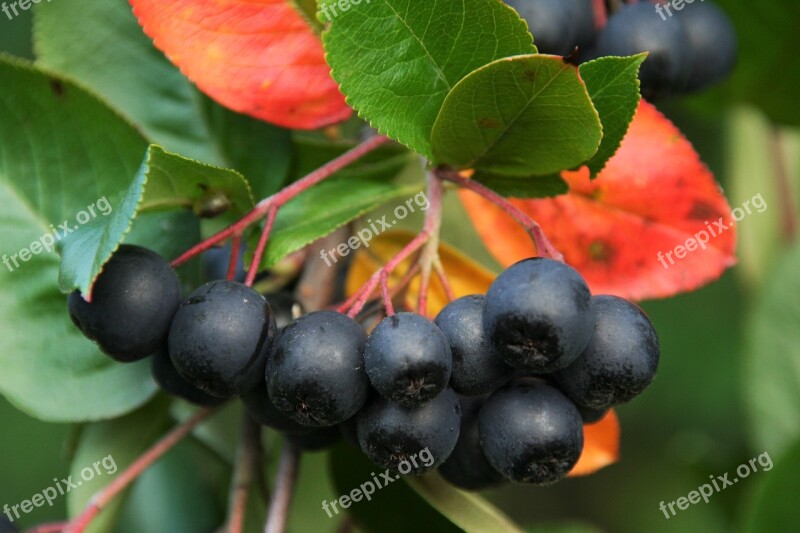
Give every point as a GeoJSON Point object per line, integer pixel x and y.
{"type": "Point", "coordinates": [712, 40]}
{"type": "Point", "coordinates": [530, 432]}
{"type": "Point", "coordinates": [219, 338]}
{"type": "Point", "coordinates": [315, 372]}
{"type": "Point", "coordinates": [637, 28]}
{"type": "Point", "coordinates": [558, 26]}
{"type": "Point", "coordinates": [538, 315]}
{"type": "Point", "coordinates": [408, 359]}
{"type": "Point", "coordinates": [174, 384]}
{"type": "Point", "coordinates": [262, 410]}
{"type": "Point", "coordinates": [389, 433]}
{"type": "Point", "coordinates": [620, 361]}
{"type": "Point", "coordinates": [477, 369]}
{"type": "Point", "coordinates": [467, 467]}
{"type": "Point", "coordinates": [133, 301]}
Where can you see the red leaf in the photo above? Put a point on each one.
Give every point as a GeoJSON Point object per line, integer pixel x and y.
{"type": "Point", "coordinates": [258, 57]}
{"type": "Point", "coordinates": [653, 195]}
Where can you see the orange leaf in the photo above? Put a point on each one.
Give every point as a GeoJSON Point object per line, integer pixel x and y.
{"type": "Point", "coordinates": [258, 57]}
{"type": "Point", "coordinates": [466, 276]}
{"type": "Point", "coordinates": [600, 445]}
{"type": "Point", "coordinates": [653, 195]}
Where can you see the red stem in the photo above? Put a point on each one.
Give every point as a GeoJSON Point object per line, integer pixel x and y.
{"type": "Point", "coordinates": [600, 13]}
{"type": "Point", "coordinates": [442, 276]}
{"type": "Point", "coordinates": [262, 245]}
{"type": "Point", "coordinates": [53, 527]}
{"type": "Point", "coordinates": [280, 198]}
{"type": "Point", "coordinates": [284, 488]}
{"type": "Point", "coordinates": [121, 482]}
{"type": "Point", "coordinates": [234, 261]}
{"type": "Point", "coordinates": [543, 245]}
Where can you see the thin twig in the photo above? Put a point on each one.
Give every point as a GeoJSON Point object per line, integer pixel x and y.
{"type": "Point", "coordinates": [236, 246]}
{"type": "Point", "coordinates": [284, 488]}
{"type": "Point", "coordinates": [121, 482]}
{"type": "Point", "coordinates": [247, 459]}
{"type": "Point", "coordinates": [443, 279]}
{"type": "Point", "coordinates": [262, 245]}
{"type": "Point", "coordinates": [543, 245]}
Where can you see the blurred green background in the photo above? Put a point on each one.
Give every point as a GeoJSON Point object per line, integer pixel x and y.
{"type": "Point", "coordinates": [728, 387]}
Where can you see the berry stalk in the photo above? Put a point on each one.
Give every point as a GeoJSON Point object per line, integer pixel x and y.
{"type": "Point", "coordinates": [543, 245]}
{"type": "Point", "coordinates": [280, 198]}
{"type": "Point", "coordinates": [247, 467]}
{"type": "Point", "coordinates": [129, 475]}
{"type": "Point", "coordinates": [284, 488]}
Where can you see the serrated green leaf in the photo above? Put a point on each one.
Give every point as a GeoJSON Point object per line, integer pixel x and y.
{"type": "Point", "coordinates": [104, 451]}
{"type": "Point", "coordinates": [613, 85]}
{"type": "Point", "coordinates": [328, 206]}
{"type": "Point", "coordinates": [350, 469]}
{"type": "Point", "coordinates": [531, 187]}
{"type": "Point", "coordinates": [468, 511]}
{"type": "Point", "coordinates": [772, 363]}
{"type": "Point", "coordinates": [62, 150]}
{"type": "Point", "coordinates": [520, 116]}
{"type": "Point", "coordinates": [113, 56]}
{"type": "Point", "coordinates": [164, 181]}
{"type": "Point", "coordinates": [396, 60]}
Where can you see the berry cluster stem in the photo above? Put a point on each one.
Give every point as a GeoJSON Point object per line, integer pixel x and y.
{"type": "Point", "coordinates": [122, 481]}
{"type": "Point", "coordinates": [543, 245]}
{"type": "Point", "coordinates": [380, 278]}
{"type": "Point", "coordinates": [246, 470]}
{"type": "Point", "coordinates": [285, 479]}
{"type": "Point", "coordinates": [279, 199]}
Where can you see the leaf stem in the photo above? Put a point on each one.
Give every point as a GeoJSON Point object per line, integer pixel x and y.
{"type": "Point", "coordinates": [284, 488]}
{"type": "Point", "coordinates": [121, 482]}
{"type": "Point", "coordinates": [543, 245]}
{"type": "Point", "coordinates": [283, 196]}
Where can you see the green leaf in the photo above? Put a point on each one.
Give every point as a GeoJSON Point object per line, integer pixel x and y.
{"type": "Point", "coordinates": [774, 507]}
{"type": "Point", "coordinates": [468, 511]}
{"type": "Point", "coordinates": [396, 60]}
{"type": "Point", "coordinates": [521, 116]}
{"type": "Point", "coordinates": [531, 187]}
{"type": "Point", "coordinates": [63, 151]}
{"type": "Point", "coordinates": [104, 451]}
{"type": "Point", "coordinates": [326, 207]}
{"type": "Point", "coordinates": [115, 58]}
{"type": "Point", "coordinates": [613, 85]}
{"type": "Point", "coordinates": [772, 362]}
{"type": "Point", "coordinates": [350, 469]}
{"type": "Point", "coordinates": [164, 181]}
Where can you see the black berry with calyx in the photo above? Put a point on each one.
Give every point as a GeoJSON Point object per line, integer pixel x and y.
{"type": "Point", "coordinates": [530, 432]}
{"type": "Point", "coordinates": [171, 382]}
{"type": "Point", "coordinates": [390, 434]}
{"type": "Point", "coordinates": [558, 26]}
{"type": "Point", "coordinates": [620, 361]}
{"type": "Point", "coordinates": [133, 302]}
{"type": "Point", "coordinates": [712, 41]}
{"type": "Point", "coordinates": [262, 410]}
{"type": "Point", "coordinates": [408, 359]}
{"type": "Point", "coordinates": [315, 370]}
{"type": "Point", "coordinates": [636, 28]}
{"type": "Point", "coordinates": [477, 369]}
{"type": "Point", "coordinates": [467, 466]}
{"type": "Point", "coordinates": [538, 315]}
{"type": "Point", "coordinates": [219, 338]}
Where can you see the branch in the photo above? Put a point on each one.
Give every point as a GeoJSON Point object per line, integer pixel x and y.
{"type": "Point", "coordinates": [543, 245]}
{"type": "Point", "coordinates": [284, 488]}
{"type": "Point", "coordinates": [121, 482]}
{"type": "Point", "coordinates": [247, 465]}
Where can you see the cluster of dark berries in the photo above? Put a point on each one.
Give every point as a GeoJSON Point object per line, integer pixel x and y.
{"type": "Point", "coordinates": [689, 49]}
{"type": "Point", "coordinates": [496, 388]}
